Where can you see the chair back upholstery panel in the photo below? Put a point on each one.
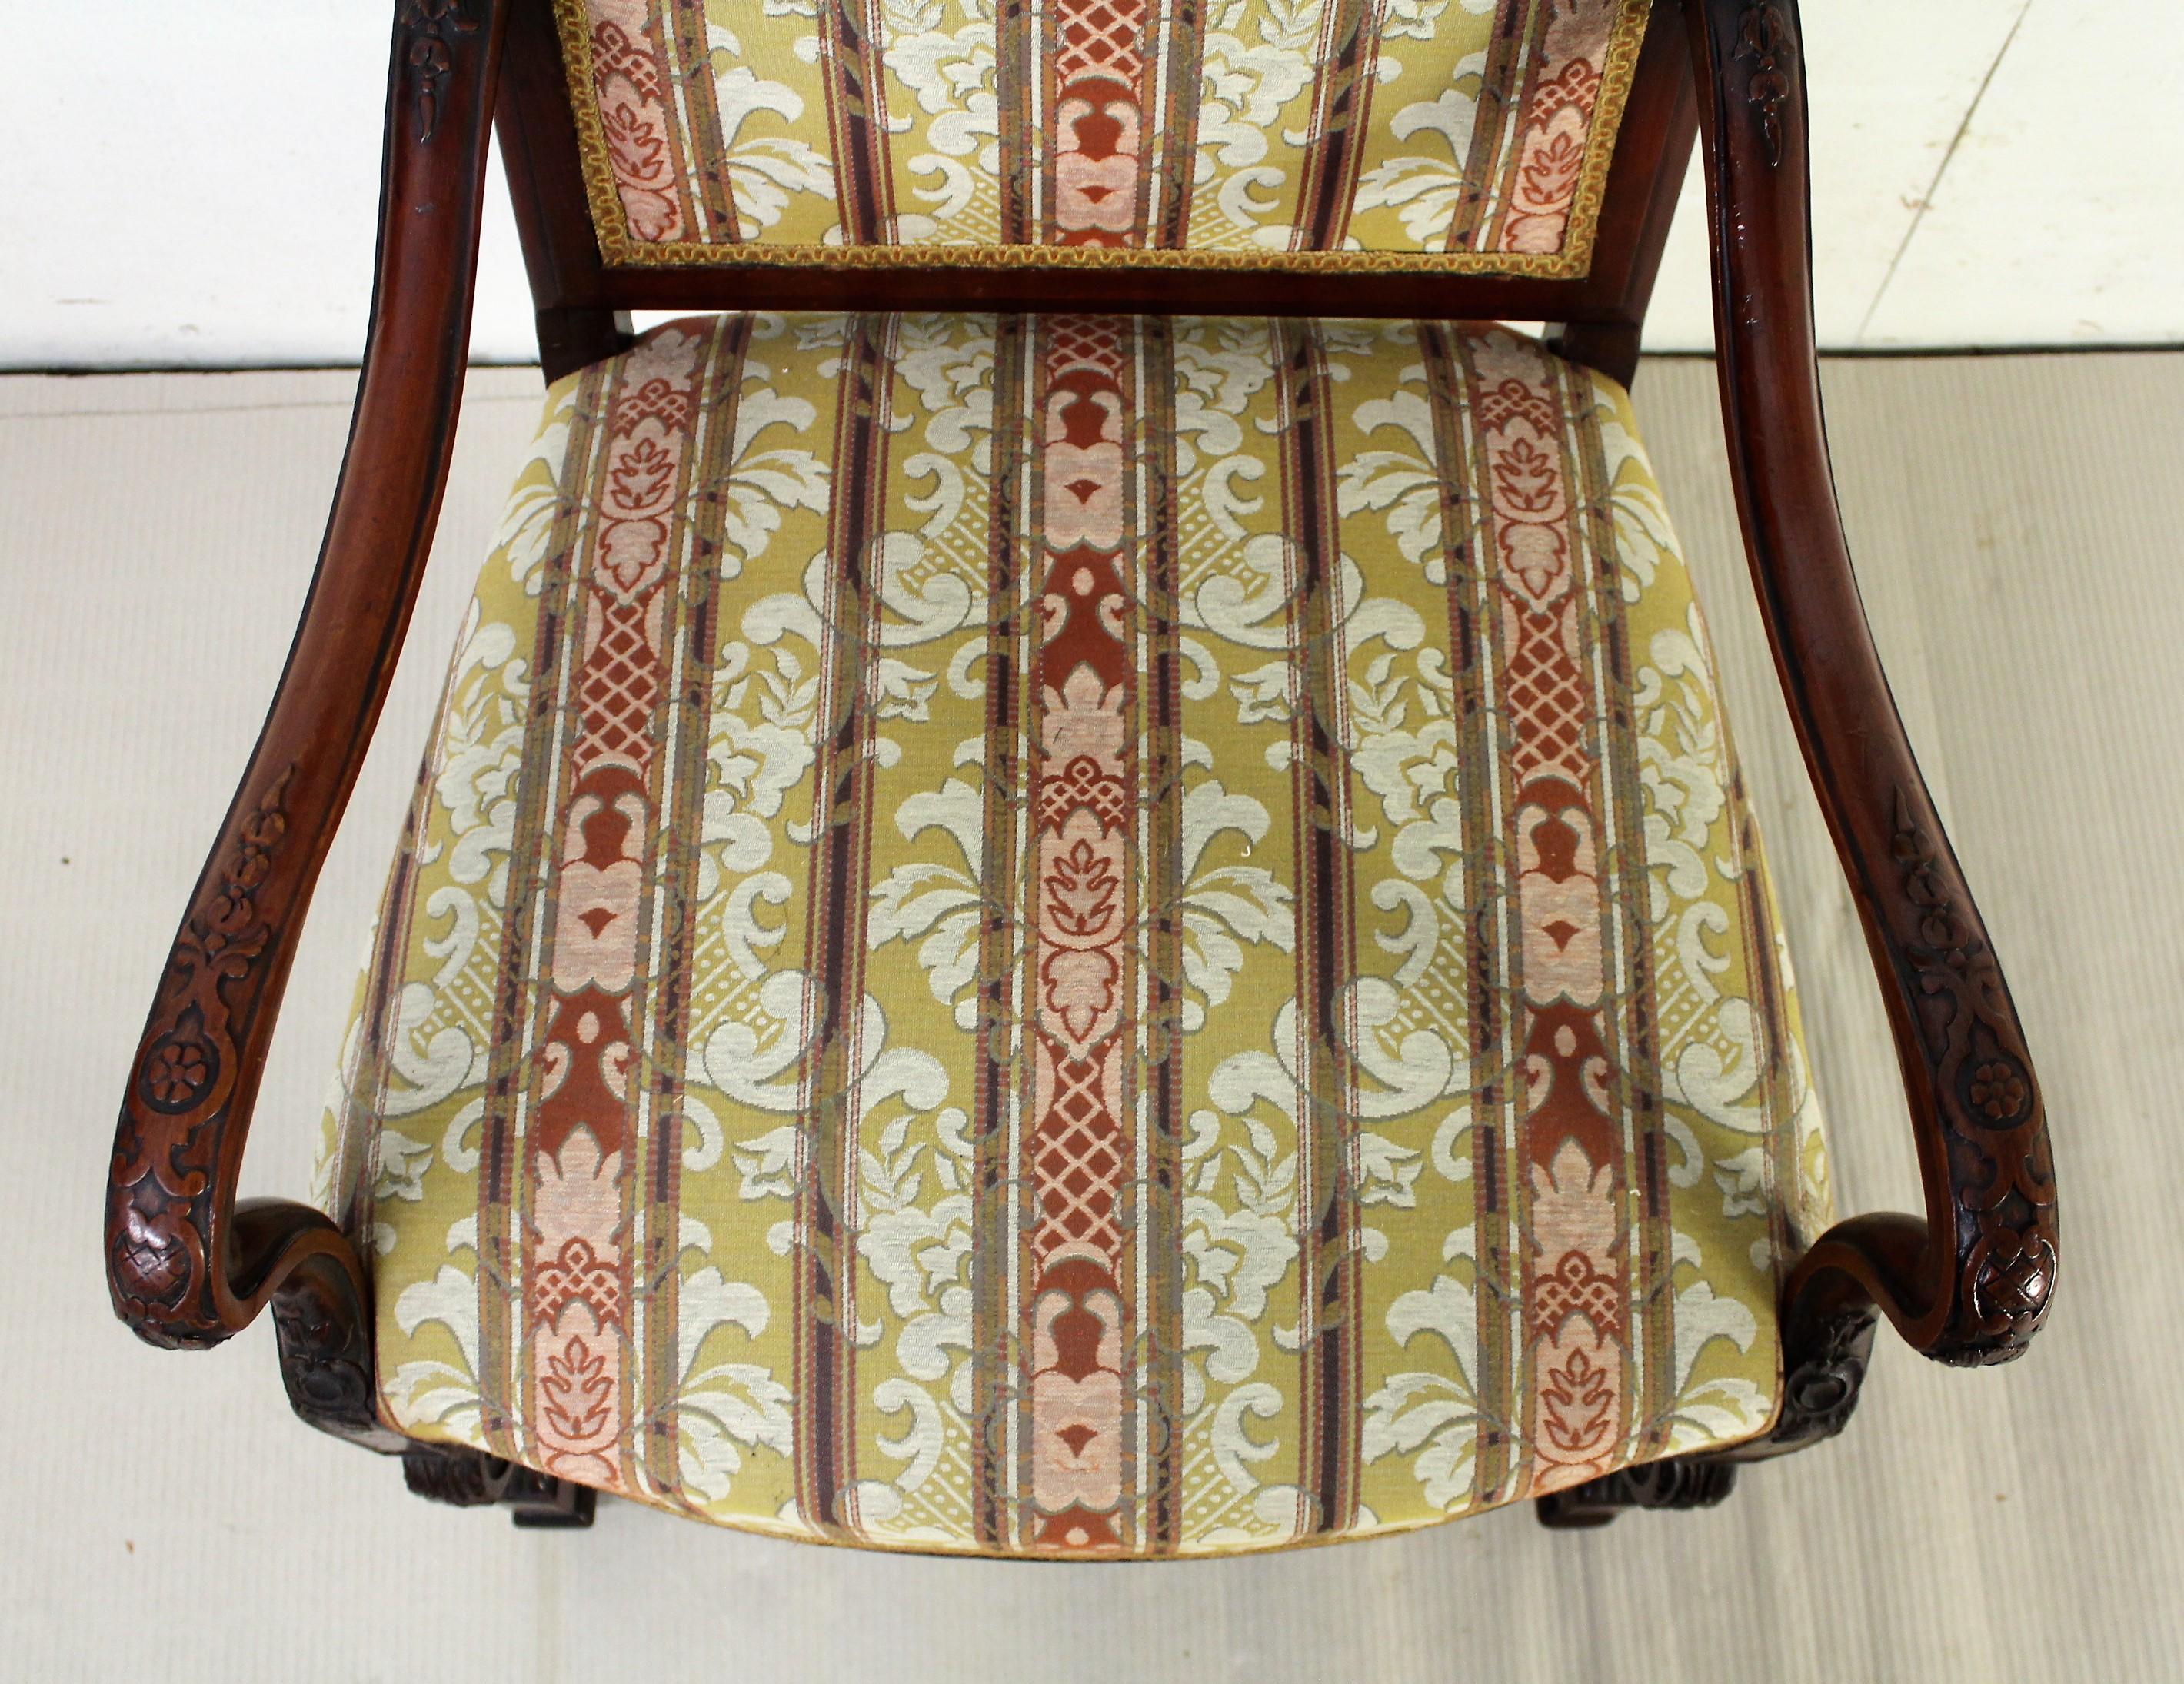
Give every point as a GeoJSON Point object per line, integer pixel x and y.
{"type": "Point", "coordinates": [1464, 135]}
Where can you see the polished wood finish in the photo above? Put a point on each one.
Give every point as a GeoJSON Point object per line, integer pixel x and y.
{"type": "Point", "coordinates": [1971, 1282]}
{"type": "Point", "coordinates": [578, 322]}
{"type": "Point", "coordinates": [1653, 154]}
{"type": "Point", "coordinates": [188, 1266]}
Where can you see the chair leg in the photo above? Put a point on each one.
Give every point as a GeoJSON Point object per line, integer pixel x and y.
{"type": "Point", "coordinates": [1679, 1482]}
{"type": "Point", "coordinates": [537, 1500]}
{"type": "Point", "coordinates": [1827, 1343]}
{"type": "Point", "coordinates": [465, 1479]}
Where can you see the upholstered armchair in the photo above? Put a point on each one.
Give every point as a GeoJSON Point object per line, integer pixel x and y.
{"type": "Point", "coordinates": [1081, 890]}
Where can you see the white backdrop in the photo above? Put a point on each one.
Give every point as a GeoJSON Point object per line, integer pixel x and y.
{"type": "Point", "coordinates": [196, 184]}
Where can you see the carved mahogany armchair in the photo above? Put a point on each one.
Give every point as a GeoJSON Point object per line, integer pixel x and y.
{"type": "Point", "coordinates": [1080, 889]}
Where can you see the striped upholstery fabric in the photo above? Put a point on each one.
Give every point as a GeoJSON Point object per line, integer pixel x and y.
{"type": "Point", "coordinates": [1343, 134]}
{"type": "Point", "coordinates": [1074, 935]}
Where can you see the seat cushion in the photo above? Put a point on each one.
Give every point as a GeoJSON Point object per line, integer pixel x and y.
{"type": "Point", "coordinates": [1082, 935]}
{"type": "Point", "coordinates": [1301, 134]}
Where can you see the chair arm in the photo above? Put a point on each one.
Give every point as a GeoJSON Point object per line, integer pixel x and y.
{"type": "Point", "coordinates": [1972, 1282]}
{"type": "Point", "coordinates": [187, 1265]}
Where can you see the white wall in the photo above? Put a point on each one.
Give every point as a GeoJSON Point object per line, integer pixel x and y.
{"type": "Point", "coordinates": [199, 187]}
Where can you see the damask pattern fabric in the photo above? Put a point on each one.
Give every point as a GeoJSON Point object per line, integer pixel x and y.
{"type": "Point", "coordinates": [1456, 134]}
{"type": "Point", "coordinates": [1078, 936]}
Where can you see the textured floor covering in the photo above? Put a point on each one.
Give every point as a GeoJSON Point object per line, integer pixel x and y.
{"type": "Point", "coordinates": [2015, 522]}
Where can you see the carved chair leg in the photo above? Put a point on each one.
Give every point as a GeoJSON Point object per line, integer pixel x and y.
{"type": "Point", "coordinates": [323, 1330]}
{"type": "Point", "coordinates": [465, 1479]}
{"type": "Point", "coordinates": [1678, 1482]}
{"type": "Point", "coordinates": [1827, 1339]}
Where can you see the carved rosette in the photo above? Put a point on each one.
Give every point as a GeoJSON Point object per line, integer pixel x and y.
{"type": "Point", "coordinates": [163, 1177]}
{"type": "Point", "coordinates": [1980, 1287]}
{"type": "Point", "coordinates": [186, 1266]}
{"type": "Point", "coordinates": [1989, 1105]}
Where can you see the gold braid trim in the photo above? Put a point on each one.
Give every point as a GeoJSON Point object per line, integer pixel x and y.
{"type": "Point", "coordinates": [619, 250]}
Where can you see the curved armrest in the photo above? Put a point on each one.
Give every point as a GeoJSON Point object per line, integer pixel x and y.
{"type": "Point", "coordinates": [1970, 1283]}
{"type": "Point", "coordinates": [187, 1265]}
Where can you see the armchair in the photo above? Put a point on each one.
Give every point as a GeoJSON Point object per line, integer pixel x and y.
{"type": "Point", "coordinates": [1079, 950]}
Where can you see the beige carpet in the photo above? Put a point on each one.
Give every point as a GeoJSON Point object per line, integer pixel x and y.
{"type": "Point", "coordinates": [2015, 521]}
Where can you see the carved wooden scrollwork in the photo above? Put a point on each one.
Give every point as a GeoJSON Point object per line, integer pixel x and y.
{"type": "Point", "coordinates": [1973, 1281]}
{"type": "Point", "coordinates": [1989, 1102]}
{"type": "Point", "coordinates": [1823, 1360]}
{"type": "Point", "coordinates": [325, 1337]}
{"type": "Point", "coordinates": [187, 1265]}
{"type": "Point", "coordinates": [165, 1179]}
{"type": "Point", "coordinates": [1825, 1364]}
{"type": "Point", "coordinates": [457, 1478]}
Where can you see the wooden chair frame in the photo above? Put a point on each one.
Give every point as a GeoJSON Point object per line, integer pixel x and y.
{"type": "Point", "coordinates": [1969, 1282]}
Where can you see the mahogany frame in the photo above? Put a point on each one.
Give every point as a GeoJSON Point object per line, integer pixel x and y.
{"type": "Point", "coordinates": [188, 1266]}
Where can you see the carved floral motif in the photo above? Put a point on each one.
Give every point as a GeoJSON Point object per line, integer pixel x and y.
{"type": "Point", "coordinates": [1989, 1103]}
{"type": "Point", "coordinates": [163, 1183]}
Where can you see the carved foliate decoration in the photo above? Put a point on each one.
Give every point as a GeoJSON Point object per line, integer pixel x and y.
{"type": "Point", "coordinates": [1822, 1373]}
{"type": "Point", "coordinates": [187, 1267]}
{"type": "Point", "coordinates": [467, 1479]}
{"type": "Point", "coordinates": [1824, 1366]}
{"type": "Point", "coordinates": [429, 28]}
{"type": "Point", "coordinates": [1765, 37]}
{"type": "Point", "coordinates": [2000, 1169]}
{"type": "Point", "coordinates": [326, 1359]}
{"type": "Point", "coordinates": [1980, 1286]}
{"type": "Point", "coordinates": [460, 1478]}
{"type": "Point", "coordinates": [162, 1182]}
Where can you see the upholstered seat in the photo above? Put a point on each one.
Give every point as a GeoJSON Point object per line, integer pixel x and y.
{"type": "Point", "coordinates": [1076, 935]}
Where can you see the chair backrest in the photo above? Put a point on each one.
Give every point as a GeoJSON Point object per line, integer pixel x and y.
{"type": "Point", "coordinates": [1333, 135]}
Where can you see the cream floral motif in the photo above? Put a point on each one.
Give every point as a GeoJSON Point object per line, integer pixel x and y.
{"type": "Point", "coordinates": [1425, 189]}
{"type": "Point", "coordinates": [1239, 131]}
{"type": "Point", "coordinates": [945, 56]}
{"type": "Point", "coordinates": [768, 164]}
{"type": "Point", "coordinates": [1310, 1279]}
